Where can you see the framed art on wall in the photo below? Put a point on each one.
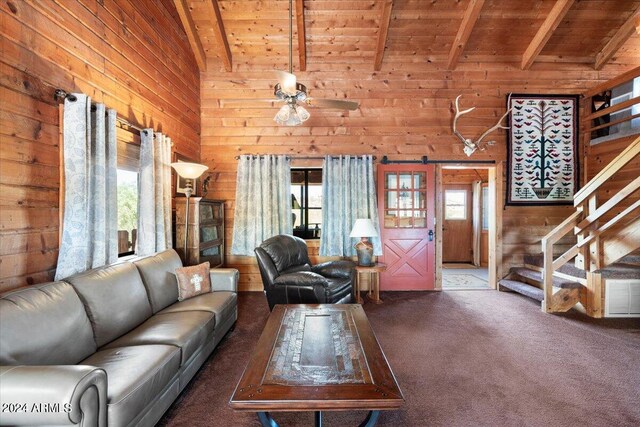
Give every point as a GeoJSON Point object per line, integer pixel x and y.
{"type": "Point", "coordinates": [542, 149]}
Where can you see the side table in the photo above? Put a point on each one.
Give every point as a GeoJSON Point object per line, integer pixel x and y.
{"type": "Point", "coordinates": [374, 283]}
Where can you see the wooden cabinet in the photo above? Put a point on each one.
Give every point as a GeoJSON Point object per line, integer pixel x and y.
{"type": "Point", "coordinates": [205, 238]}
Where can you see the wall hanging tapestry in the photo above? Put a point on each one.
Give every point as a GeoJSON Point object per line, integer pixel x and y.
{"type": "Point", "coordinates": [542, 149]}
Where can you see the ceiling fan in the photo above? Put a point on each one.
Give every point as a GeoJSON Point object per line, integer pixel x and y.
{"type": "Point", "coordinates": [295, 94]}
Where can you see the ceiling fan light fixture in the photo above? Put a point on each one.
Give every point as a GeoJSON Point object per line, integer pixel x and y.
{"type": "Point", "coordinates": [291, 115]}
{"type": "Point", "coordinates": [289, 84]}
{"type": "Point", "coordinates": [282, 116]}
{"type": "Point", "coordinates": [303, 113]}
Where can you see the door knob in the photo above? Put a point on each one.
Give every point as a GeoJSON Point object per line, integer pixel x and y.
{"type": "Point", "coordinates": [431, 235]}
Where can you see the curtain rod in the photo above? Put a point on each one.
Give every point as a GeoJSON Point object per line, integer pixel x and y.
{"type": "Point", "coordinates": [60, 95]}
{"type": "Point", "coordinates": [294, 157]}
{"type": "Point", "coordinates": [463, 162]}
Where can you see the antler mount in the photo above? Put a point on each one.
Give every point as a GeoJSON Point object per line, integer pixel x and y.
{"type": "Point", "coordinates": [470, 146]}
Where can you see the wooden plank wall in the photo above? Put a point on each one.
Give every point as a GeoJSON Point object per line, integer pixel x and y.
{"type": "Point", "coordinates": [131, 55]}
{"type": "Point", "coordinates": [405, 113]}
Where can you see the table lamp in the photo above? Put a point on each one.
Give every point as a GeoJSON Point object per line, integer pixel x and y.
{"type": "Point", "coordinates": [190, 172]}
{"type": "Point", "coordinates": [364, 229]}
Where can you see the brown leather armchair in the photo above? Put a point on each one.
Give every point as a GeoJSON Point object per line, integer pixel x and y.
{"type": "Point", "coordinates": [289, 278]}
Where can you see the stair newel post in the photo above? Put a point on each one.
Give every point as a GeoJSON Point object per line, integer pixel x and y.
{"type": "Point", "coordinates": [547, 251]}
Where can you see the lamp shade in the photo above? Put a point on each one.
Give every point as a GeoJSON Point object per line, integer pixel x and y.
{"type": "Point", "coordinates": [363, 228]}
{"type": "Point", "coordinates": [189, 170]}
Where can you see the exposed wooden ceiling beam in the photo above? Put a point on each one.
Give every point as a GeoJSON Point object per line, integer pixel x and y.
{"type": "Point", "coordinates": [213, 10]}
{"type": "Point", "coordinates": [385, 21]}
{"type": "Point", "coordinates": [545, 32]}
{"type": "Point", "coordinates": [469, 20]}
{"type": "Point", "coordinates": [302, 35]}
{"type": "Point", "coordinates": [618, 39]}
{"type": "Point", "coordinates": [192, 33]}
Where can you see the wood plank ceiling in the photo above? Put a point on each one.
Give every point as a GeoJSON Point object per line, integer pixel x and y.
{"type": "Point", "coordinates": [383, 34]}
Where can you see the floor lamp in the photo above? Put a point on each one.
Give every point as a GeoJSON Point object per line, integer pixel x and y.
{"type": "Point", "coordinates": [190, 172]}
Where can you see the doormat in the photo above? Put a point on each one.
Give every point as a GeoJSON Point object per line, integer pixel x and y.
{"type": "Point", "coordinates": [463, 282]}
{"type": "Point", "coordinates": [543, 150]}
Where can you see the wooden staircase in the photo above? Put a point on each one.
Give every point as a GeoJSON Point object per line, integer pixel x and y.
{"type": "Point", "coordinates": [605, 233]}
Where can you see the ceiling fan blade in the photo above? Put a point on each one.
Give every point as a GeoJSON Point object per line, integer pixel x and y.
{"type": "Point", "coordinates": [333, 103]}
{"type": "Point", "coordinates": [287, 82]}
{"type": "Point", "coordinates": [251, 100]}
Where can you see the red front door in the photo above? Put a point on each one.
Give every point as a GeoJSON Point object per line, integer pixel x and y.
{"type": "Point", "coordinates": [405, 204]}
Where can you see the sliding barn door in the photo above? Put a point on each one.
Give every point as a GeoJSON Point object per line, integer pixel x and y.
{"type": "Point", "coordinates": [405, 205]}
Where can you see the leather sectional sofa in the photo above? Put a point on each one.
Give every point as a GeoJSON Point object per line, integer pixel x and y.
{"type": "Point", "coordinates": [111, 346]}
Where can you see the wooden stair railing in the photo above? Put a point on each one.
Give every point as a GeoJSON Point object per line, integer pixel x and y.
{"type": "Point", "coordinates": [592, 252]}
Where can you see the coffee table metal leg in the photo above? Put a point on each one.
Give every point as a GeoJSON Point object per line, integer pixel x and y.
{"type": "Point", "coordinates": [266, 420]}
{"type": "Point", "coordinates": [371, 420]}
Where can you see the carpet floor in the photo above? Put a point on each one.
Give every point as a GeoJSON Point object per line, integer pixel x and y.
{"type": "Point", "coordinates": [462, 358]}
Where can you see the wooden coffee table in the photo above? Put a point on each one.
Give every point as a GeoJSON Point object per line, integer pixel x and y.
{"type": "Point", "coordinates": [318, 357]}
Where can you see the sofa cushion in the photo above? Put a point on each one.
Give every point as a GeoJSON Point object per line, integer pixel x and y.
{"type": "Point", "coordinates": [115, 299]}
{"type": "Point", "coordinates": [193, 280]}
{"type": "Point", "coordinates": [158, 275]}
{"type": "Point", "coordinates": [136, 376]}
{"type": "Point", "coordinates": [222, 304]}
{"type": "Point", "coordinates": [35, 321]}
{"type": "Point", "coordinates": [187, 330]}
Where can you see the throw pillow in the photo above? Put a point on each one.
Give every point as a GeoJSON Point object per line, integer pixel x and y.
{"type": "Point", "coordinates": [193, 281]}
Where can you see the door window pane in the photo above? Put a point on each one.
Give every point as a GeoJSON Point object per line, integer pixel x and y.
{"type": "Point", "coordinates": [419, 180]}
{"type": "Point", "coordinates": [391, 219]}
{"type": "Point", "coordinates": [405, 200]}
{"type": "Point", "coordinates": [420, 200]}
{"type": "Point", "coordinates": [455, 205]}
{"type": "Point", "coordinates": [405, 220]}
{"type": "Point", "coordinates": [420, 222]}
{"type": "Point", "coordinates": [391, 181]}
{"type": "Point", "coordinates": [405, 181]}
{"type": "Point", "coordinates": [391, 200]}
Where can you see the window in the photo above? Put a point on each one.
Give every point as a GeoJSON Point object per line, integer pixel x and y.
{"type": "Point", "coordinates": [128, 168]}
{"type": "Point", "coordinates": [306, 202]}
{"type": "Point", "coordinates": [624, 121]}
{"type": "Point", "coordinates": [405, 200]}
{"type": "Point", "coordinates": [455, 204]}
{"type": "Point", "coordinates": [127, 211]}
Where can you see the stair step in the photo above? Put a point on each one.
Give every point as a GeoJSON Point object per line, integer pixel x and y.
{"type": "Point", "coordinates": [536, 276]}
{"type": "Point", "coordinates": [626, 268]}
{"type": "Point", "coordinates": [523, 288]}
{"type": "Point", "coordinates": [630, 259]}
{"type": "Point", "coordinates": [569, 268]}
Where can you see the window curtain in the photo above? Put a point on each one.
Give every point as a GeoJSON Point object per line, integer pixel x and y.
{"type": "Point", "coordinates": [154, 200]}
{"type": "Point", "coordinates": [348, 193]}
{"type": "Point", "coordinates": [89, 228]}
{"type": "Point", "coordinates": [263, 201]}
{"type": "Point", "coordinates": [476, 190]}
